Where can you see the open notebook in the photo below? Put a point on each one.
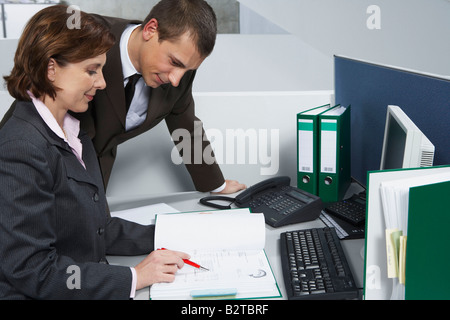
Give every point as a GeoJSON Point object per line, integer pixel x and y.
{"type": "Point", "coordinates": [229, 243]}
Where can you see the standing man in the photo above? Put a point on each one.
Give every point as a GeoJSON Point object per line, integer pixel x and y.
{"type": "Point", "coordinates": [161, 55]}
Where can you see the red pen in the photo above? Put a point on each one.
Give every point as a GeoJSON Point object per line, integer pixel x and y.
{"type": "Point", "coordinates": [189, 262]}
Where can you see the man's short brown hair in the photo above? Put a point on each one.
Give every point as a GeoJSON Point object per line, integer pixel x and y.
{"type": "Point", "coordinates": [47, 35]}
{"type": "Point", "coordinates": [176, 17]}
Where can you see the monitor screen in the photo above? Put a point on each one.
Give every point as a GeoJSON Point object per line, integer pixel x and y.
{"type": "Point", "coordinates": [395, 145]}
{"type": "Point", "coordinates": [404, 145]}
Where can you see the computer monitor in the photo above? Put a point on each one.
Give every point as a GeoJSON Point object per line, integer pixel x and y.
{"type": "Point", "coordinates": [404, 145]}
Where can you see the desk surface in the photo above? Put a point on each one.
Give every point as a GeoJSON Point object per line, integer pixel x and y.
{"type": "Point", "coordinates": [189, 201]}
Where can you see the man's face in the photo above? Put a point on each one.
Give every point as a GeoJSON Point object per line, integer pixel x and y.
{"type": "Point", "coordinates": [166, 61]}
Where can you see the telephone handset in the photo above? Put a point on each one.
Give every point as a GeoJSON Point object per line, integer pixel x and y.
{"type": "Point", "coordinates": [280, 203]}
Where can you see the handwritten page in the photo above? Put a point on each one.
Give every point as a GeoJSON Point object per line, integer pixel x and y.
{"type": "Point", "coordinates": [245, 271]}
{"type": "Point", "coordinates": [229, 243]}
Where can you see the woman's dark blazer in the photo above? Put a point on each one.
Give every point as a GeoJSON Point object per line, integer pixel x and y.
{"type": "Point", "coordinates": [54, 219]}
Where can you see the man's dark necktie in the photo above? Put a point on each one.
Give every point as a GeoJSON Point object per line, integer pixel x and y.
{"type": "Point", "coordinates": [129, 89]}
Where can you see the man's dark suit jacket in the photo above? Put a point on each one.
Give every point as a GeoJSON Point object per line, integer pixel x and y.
{"type": "Point", "coordinates": [105, 120]}
{"type": "Point", "coordinates": [53, 215]}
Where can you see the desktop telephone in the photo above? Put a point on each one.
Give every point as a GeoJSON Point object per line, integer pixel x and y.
{"type": "Point", "coordinates": [280, 203]}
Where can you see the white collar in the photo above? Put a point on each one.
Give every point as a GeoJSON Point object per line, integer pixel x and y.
{"type": "Point", "coordinates": [127, 66]}
{"type": "Point", "coordinates": [71, 127]}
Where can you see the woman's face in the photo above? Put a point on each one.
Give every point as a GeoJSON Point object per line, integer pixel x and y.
{"type": "Point", "coordinates": [77, 83]}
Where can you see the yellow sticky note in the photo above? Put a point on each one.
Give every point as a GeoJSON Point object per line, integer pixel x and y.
{"type": "Point", "coordinates": [392, 251]}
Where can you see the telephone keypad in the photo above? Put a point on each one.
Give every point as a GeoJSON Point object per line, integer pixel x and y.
{"type": "Point", "coordinates": [280, 203]}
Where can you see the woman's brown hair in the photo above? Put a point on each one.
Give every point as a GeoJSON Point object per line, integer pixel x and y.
{"type": "Point", "coordinates": [53, 33]}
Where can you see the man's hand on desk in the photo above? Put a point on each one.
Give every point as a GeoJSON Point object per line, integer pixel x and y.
{"type": "Point", "coordinates": [232, 186]}
{"type": "Point", "coordinates": [159, 266]}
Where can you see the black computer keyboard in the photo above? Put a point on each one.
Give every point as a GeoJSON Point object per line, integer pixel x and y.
{"type": "Point", "coordinates": [314, 265]}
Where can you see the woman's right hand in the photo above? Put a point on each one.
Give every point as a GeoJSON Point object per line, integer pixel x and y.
{"type": "Point", "coordinates": [159, 266]}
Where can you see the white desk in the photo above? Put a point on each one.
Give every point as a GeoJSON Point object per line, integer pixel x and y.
{"type": "Point", "coordinates": [188, 201]}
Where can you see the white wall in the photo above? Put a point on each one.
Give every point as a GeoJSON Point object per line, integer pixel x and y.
{"type": "Point", "coordinates": [17, 15]}
{"type": "Point", "coordinates": [413, 34]}
{"type": "Point", "coordinates": [7, 51]}
{"type": "Point", "coordinates": [264, 63]}
{"type": "Point", "coordinates": [5, 102]}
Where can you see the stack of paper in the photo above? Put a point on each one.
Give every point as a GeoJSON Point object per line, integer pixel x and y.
{"type": "Point", "coordinates": [390, 219]}
{"type": "Point", "coordinates": [230, 243]}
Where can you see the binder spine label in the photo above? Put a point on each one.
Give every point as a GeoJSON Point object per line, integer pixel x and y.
{"type": "Point", "coordinates": [328, 143]}
{"type": "Point", "coordinates": [306, 145]}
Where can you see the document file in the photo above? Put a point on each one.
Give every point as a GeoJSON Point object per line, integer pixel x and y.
{"type": "Point", "coordinates": [407, 234]}
{"type": "Point", "coordinates": [334, 174]}
{"type": "Point", "coordinates": [308, 149]}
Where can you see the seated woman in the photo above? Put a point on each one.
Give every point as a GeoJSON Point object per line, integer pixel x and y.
{"type": "Point", "coordinates": [55, 227]}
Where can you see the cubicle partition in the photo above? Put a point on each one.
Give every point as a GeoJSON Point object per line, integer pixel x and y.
{"type": "Point", "coordinates": [369, 88]}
